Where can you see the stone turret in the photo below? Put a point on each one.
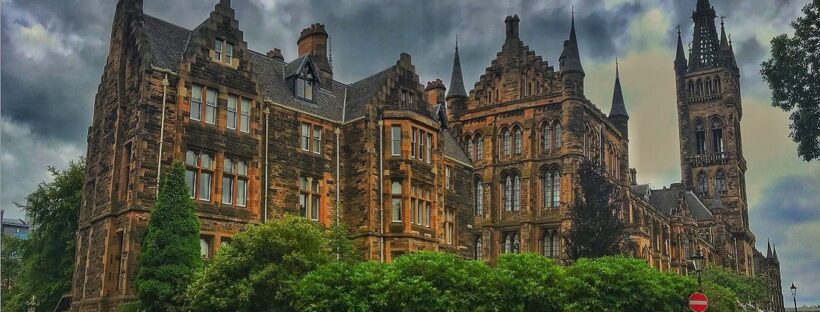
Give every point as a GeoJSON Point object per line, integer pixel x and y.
{"type": "Point", "coordinates": [572, 73]}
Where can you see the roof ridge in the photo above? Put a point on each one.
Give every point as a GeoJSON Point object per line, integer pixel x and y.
{"type": "Point", "coordinates": [167, 22]}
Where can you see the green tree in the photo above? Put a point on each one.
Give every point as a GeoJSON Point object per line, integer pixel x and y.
{"type": "Point", "coordinates": [346, 286]}
{"type": "Point", "coordinates": [258, 270]}
{"type": "Point", "coordinates": [793, 73]}
{"type": "Point", "coordinates": [749, 289]}
{"type": "Point", "coordinates": [47, 256]}
{"type": "Point", "coordinates": [170, 251]}
{"type": "Point", "coordinates": [535, 282]}
{"type": "Point", "coordinates": [11, 266]}
{"type": "Point", "coordinates": [339, 241]}
{"type": "Point", "coordinates": [597, 229]}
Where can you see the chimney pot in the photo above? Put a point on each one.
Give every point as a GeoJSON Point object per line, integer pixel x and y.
{"type": "Point", "coordinates": [276, 54]}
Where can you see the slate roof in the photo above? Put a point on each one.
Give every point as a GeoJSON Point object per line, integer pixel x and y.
{"type": "Point", "coordinates": [167, 41]}
{"type": "Point", "coordinates": [340, 103]}
{"type": "Point", "coordinates": [697, 208]}
{"type": "Point", "coordinates": [456, 80]}
{"type": "Point", "coordinates": [666, 200]}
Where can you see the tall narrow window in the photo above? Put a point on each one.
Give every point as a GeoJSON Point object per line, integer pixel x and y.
{"type": "Point", "coordinates": [479, 147]}
{"type": "Point", "coordinates": [448, 175]}
{"type": "Point", "coordinates": [422, 145]}
{"type": "Point", "coordinates": [508, 193]}
{"type": "Point", "coordinates": [557, 135]}
{"type": "Point", "coordinates": [317, 140]}
{"type": "Point", "coordinates": [218, 50]}
{"type": "Point", "coordinates": [545, 137]}
{"type": "Point", "coordinates": [449, 226]}
{"type": "Point", "coordinates": [414, 134]}
{"type": "Point", "coordinates": [228, 53]}
{"type": "Point", "coordinates": [196, 102]}
{"type": "Point", "coordinates": [702, 183]}
{"type": "Point", "coordinates": [512, 193]}
{"type": "Point", "coordinates": [309, 197]}
{"type": "Point", "coordinates": [429, 148]}
{"type": "Point", "coordinates": [191, 172]}
{"type": "Point", "coordinates": [505, 137]}
{"type": "Point", "coordinates": [549, 244]}
{"type": "Point", "coordinates": [517, 133]}
{"type": "Point", "coordinates": [205, 175]}
{"type": "Point", "coordinates": [717, 136]}
{"type": "Point", "coordinates": [395, 191]}
{"type": "Point", "coordinates": [511, 242]}
{"type": "Point", "coordinates": [210, 106]}
{"type": "Point", "coordinates": [241, 184]}
{"type": "Point", "coordinates": [477, 249]}
{"type": "Point", "coordinates": [205, 247]}
{"type": "Point", "coordinates": [470, 149]}
{"type": "Point", "coordinates": [556, 188]}
{"type": "Point", "coordinates": [700, 138]}
{"type": "Point", "coordinates": [305, 142]}
{"type": "Point", "coordinates": [516, 204]}
{"type": "Point", "coordinates": [231, 114]}
{"type": "Point", "coordinates": [228, 174]}
{"type": "Point", "coordinates": [395, 135]}
{"type": "Point", "coordinates": [479, 198]}
{"type": "Point", "coordinates": [546, 186]}
{"type": "Point", "coordinates": [245, 116]}
{"type": "Point", "coordinates": [720, 181]}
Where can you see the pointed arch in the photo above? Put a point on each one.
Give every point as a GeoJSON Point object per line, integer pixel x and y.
{"type": "Point", "coordinates": [518, 134]}
{"type": "Point", "coordinates": [506, 141]}
{"type": "Point", "coordinates": [701, 182]}
{"type": "Point", "coordinates": [478, 142]}
{"type": "Point", "coordinates": [700, 137]}
{"type": "Point", "coordinates": [545, 137]}
{"type": "Point", "coordinates": [556, 134]}
{"type": "Point", "coordinates": [717, 135]}
{"type": "Point", "coordinates": [720, 181]}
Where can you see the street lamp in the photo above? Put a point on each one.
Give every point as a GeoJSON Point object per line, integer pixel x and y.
{"type": "Point", "coordinates": [794, 296]}
{"type": "Point", "coordinates": [698, 261]}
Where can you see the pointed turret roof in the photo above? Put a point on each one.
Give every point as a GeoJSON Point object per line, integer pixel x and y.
{"type": "Point", "coordinates": [618, 108]}
{"type": "Point", "coordinates": [680, 56]}
{"type": "Point", "coordinates": [705, 40]}
{"type": "Point", "coordinates": [768, 249]}
{"type": "Point", "coordinates": [774, 253]}
{"type": "Point", "coordinates": [724, 43]}
{"type": "Point", "coordinates": [570, 58]}
{"type": "Point", "coordinates": [456, 80]}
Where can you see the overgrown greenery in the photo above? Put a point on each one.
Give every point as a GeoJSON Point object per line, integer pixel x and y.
{"type": "Point", "coordinates": [11, 265]}
{"type": "Point", "coordinates": [259, 268]}
{"type": "Point", "coordinates": [597, 229]}
{"type": "Point", "coordinates": [170, 255]}
{"type": "Point", "coordinates": [748, 289]}
{"type": "Point", "coordinates": [47, 256]}
{"type": "Point", "coordinates": [793, 72]}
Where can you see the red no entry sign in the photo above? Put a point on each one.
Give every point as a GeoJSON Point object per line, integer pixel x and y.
{"type": "Point", "coordinates": [698, 302]}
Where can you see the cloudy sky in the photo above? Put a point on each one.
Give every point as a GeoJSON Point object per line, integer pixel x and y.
{"type": "Point", "coordinates": [53, 54]}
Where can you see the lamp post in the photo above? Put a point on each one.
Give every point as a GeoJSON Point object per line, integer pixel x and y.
{"type": "Point", "coordinates": [698, 261]}
{"type": "Point", "coordinates": [794, 296]}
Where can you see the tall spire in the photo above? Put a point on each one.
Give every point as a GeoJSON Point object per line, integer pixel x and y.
{"type": "Point", "coordinates": [774, 254]}
{"type": "Point", "coordinates": [705, 40]}
{"type": "Point", "coordinates": [618, 108]}
{"type": "Point", "coordinates": [570, 59]}
{"type": "Point", "coordinates": [456, 80]}
{"type": "Point", "coordinates": [724, 43]}
{"type": "Point", "coordinates": [768, 249]}
{"type": "Point", "coordinates": [680, 56]}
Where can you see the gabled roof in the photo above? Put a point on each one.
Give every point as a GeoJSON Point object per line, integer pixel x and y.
{"type": "Point", "coordinates": [360, 92]}
{"type": "Point", "coordinates": [697, 208]}
{"type": "Point", "coordinates": [452, 149]}
{"type": "Point", "coordinates": [667, 201]}
{"type": "Point", "coordinates": [167, 41]}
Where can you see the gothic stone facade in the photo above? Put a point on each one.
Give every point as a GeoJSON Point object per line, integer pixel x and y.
{"type": "Point", "coordinates": [405, 167]}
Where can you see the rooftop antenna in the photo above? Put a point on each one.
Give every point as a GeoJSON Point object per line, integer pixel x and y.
{"type": "Point", "coordinates": [678, 27]}
{"type": "Point", "coordinates": [456, 41]}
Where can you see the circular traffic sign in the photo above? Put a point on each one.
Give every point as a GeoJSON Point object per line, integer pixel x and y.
{"type": "Point", "coordinates": [698, 302]}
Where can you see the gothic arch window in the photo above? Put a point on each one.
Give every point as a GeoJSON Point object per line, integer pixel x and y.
{"type": "Point", "coordinates": [708, 85]}
{"type": "Point", "coordinates": [556, 135]}
{"type": "Point", "coordinates": [717, 136]}
{"type": "Point", "coordinates": [479, 146]}
{"type": "Point", "coordinates": [477, 248]}
{"type": "Point", "coordinates": [716, 83]}
{"type": "Point", "coordinates": [517, 134]}
{"type": "Point", "coordinates": [551, 187]}
{"type": "Point", "coordinates": [549, 243]}
{"type": "Point", "coordinates": [505, 142]}
{"type": "Point", "coordinates": [720, 181]}
{"type": "Point", "coordinates": [511, 243]}
{"type": "Point", "coordinates": [690, 88]}
{"type": "Point", "coordinates": [545, 137]}
{"type": "Point", "coordinates": [702, 183]}
{"type": "Point", "coordinates": [512, 192]}
{"type": "Point", "coordinates": [700, 137]}
{"type": "Point", "coordinates": [469, 142]}
{"type": "Point", "coordinates": [700, 87]}
{"type": "Point", "coordinates": [479, 198]}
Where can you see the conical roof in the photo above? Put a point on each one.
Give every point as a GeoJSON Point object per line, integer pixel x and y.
{"type": "Point", "coordinates": [456, 79]}
{"type": "Point", "coordinates": [618, 107]}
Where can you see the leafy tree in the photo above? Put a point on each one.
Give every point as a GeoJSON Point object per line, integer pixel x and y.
{"type": "Point", "coordinates": [258, 270]}
{"type": "Point", "coordinates": [11, 266]}
{"type": "Point", "coordinates": [340, 243]}
{"type": "Point", "coordinates": [536, 283]}
{"type": "Point", "coordinates": [47, 256]}
{"type": "Point", "coordinates": [597, 230]}
{"type": "Point", "coordinates": [345, 286]}
{"type": "Point", "coordinates": [749, 289]}
{"type": "Point", "coordinates": [170, 252]}
{"type": "Point", "coordinates": [793, 72]}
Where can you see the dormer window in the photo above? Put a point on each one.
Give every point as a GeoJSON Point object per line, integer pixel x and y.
{"type": "Point", "coordinates": [223, 51]}
{"type": "Point", "coordinates": [305, 83]}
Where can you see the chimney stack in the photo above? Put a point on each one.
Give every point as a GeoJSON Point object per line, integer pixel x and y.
{"type": "Point", "coordinates": [276, 54]}
{"type": "Point", "coordinates": [435, 92]}
{"type": "Point", "coordinates": [313, 41]}
{"type": "Point", "coordinates": [512, 26]}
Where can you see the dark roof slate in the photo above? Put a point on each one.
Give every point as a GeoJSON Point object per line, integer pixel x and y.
{"type": "Point", "coordinates": [167, 41]}
{"type": "Point", "coordinates": [666, 200]}
{"type": "Point", "coordinates": [452, 149]}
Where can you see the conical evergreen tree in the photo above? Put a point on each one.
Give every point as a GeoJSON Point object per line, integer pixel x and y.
{"type": "Point", "coordinates": [170, 251]}
{"type": "Point", "coordinates": [597, 229]}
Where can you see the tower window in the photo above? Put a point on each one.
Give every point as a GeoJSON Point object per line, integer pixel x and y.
{"type": "Point", "coordinates": [479, 147]}
{"type": "Point", "coordinates": [395, 191]}
{"type": "Point", "coordinates": [549, 243]}
{"type": "Point", "coordinates": [720, 181]}
{"type": "Point", "coordinates": [512, 193]}
{"type": "Point", "coordinates": [545, 137]}
{"type": "Point", "coordinates": [477, 248]}
{"type": "Point", "coordinates": [517, 134]}
{"type": "Point", "coordinates": [479, 198]}
{"type": "Point", "coordinates": [557, 135]}
{"type": "Point", "coordinates": [700, 138]}
{"type": "Point", "coordinates": [511, 243]}
{"type": "Point", "coordinates": [505, 137]}
{"type": "Point", "coordinates": [717, 136]}
{"type": "Point", "coordinates": [551, 185]}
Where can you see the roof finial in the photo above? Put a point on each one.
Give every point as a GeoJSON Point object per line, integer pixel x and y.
{"type": "Point", "coordinates": [722, 17]}
{"type": "Point", "coordinates": [456, 42]}
{"type": "Point", "coordinates": [617, 74]}
{"type": "Point", "coordinates": [678, 27]}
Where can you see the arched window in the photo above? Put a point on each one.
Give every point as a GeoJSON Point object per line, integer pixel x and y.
{"type": "Point", "coordinates": [551, 186]}
{"type": "Point", "coordinates": [511, 242]}
{"type": "Point", "coordinates": [720, 181]}
{"type": "Point", "coordinates": [700, 137]}
{"type": "Point", "coordinates": [517, 134]}
{"type": "Point", "coordinates": [717, 136]}
{"type": "Point", "coordinates": [556, 188]}
{"type": "Point", "coordinates": [690, 88]}
{"type": "Point", "coordinates": [512, 193]}
{"type": "Point", "coordinates": [516, 193]}
{"type": "Point", "coordinates": [508, 193]}
{"type": "Point", "coordinates": [700, 87]}
{"type": "Point", "coordinates": [479, 147]}
{"type": "Point", "coordinates": [479, 198]}
{"type": "Point", "coordinates": [556, 135]}
{"type": "Point", "coordinates": [545, 137]}
{"type": "Point", "coordinates": [469, 148]}
{"type": "Point", "coordinates": [702, 183]}
{"type": "Point", "coordinates": [716, 82]}
{"type": "Point", "coordinates": [686, 247]}
{"type": "Point", "coordinates": [477, 248]}
{"type": "Point", "coordinates": [708, 85]}
{"type": "Point", "coordinates": [549, 244]}
{"type": "Point", "coordinates": [505, 142]}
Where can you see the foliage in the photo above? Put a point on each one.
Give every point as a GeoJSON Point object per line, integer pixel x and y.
{"type": "Point", "coordinates": [11, 265]}
{"type": "Point", "coordinates": [721, 298]}
{"type": "Point", "coordinates": [535, 282]}
{"type": "Point", "coordinates": [749, 289]}
{"type": "Point", "coordinates": [258, 269]}
{"type": "Point", "coordinates": [597, 230]}
{"type": "Point", "coordinates": [47, 256]}
{"type": "Point", "coordinates": [340, 243]}
{"type": "Point", "coordinates": [130, 307]}
{"type": "Point", "coordinates": [792, 73]}
{"type": "Point", "coordinates": [345, 286]}
{"type": "Point", "coordinates": [170, 252]}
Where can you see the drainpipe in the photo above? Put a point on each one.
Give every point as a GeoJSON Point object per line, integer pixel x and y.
{"type": "Point", "coordinates": [267, 126]}
{"type": "Point", "coordinates": [161, 131]}
{"type": "Point", "coordinates": [381, 189]}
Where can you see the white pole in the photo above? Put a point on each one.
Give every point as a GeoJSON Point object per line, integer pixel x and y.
{"type": "Point", "coordinates": [2, 214]}
{"type": "Point", "coordinates": [161, 132]}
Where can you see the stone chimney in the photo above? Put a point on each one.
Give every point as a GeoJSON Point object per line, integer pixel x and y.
{"type": "Point", "coordinates": [435, 92]}
{"type": "Point", "coordinates": [512, 26]}
{"type": "Point", "coordinates": [313, 40]}
{"type": "Point", "coordinates": [276, 54]}
{"type": "Point", "coordinates": [633, 176]}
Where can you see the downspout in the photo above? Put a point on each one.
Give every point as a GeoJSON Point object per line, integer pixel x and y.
{"type": "Point", "coordinates": [267, 127]}
{"type": "Point", "coordinates": [161, 130]}
{"type": "Point", "coordinates": [381, 189]}
{"type": "Point", "coordinates": [338, 155]}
